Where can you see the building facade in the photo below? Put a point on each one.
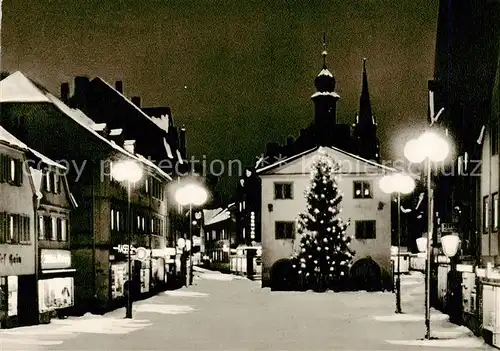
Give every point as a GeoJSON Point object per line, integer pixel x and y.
{"type": "Point", "coordinates": [18, 245]}
{"type": "Point", "coordinates": [99, 236]}
{"type": "Point", "coordinates": [363, 203]}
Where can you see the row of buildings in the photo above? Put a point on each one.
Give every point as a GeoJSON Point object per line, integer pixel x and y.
{"type": "Point", "coordinates": [466, 85]}
{"type": "Point", "coordinates": [64, 217]}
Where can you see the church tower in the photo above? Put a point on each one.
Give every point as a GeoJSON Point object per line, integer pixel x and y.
{"type": "Point", "coordinates": [365, 127]}
{"type": "Point", "coordinates": [325, 102]}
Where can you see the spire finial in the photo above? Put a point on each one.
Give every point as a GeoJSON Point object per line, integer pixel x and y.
{"type": "Point", "coordinates": [364, 64]}
{"type": "Point", "coordinates": [324, 53]}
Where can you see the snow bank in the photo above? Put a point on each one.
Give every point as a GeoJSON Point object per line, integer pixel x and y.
{"type": "Point", "coordinates": [182, 293]}
{"type": "Point", "coordinates": [410, 317]}
{"type": "Point", "coordinates": [213, 276]}
{"type": "Point", "coordinates": [100, 325]}
{"type": "Point", "coordinates": [468, 343]}
{"type": "Point", "coordinates": [165, 309]}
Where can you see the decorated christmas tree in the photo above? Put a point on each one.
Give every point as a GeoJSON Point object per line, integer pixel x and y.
{"type": "Point", "coordinates": [324, 257]}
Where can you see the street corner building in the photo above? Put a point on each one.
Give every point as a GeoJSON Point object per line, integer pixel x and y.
{"type": "Point", "coordinates": [364, 204]}
{"type": "Point", "coordinates": [36, 273]}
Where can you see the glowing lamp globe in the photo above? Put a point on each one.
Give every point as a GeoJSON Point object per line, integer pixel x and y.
{"type": "Point", "coordinates": [434, 146]}
{"type": "Point", "coordinates": [386, 184]}
{"type": "Point", "coordinates": [450, 244]}
{"type": "Point", "coordinates": [413, 151]}
{"type": "Point", "coordinates": [127, 170]}
{"type": "Point", "coordinates": [191, 194]}
{"type": "Point", "coordinates": [422, 244]}
{"type": "Point", "coordinates": [404, 183]}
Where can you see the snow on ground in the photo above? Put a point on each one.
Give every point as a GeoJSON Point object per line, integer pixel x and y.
{"type": "Point", "coordinates": [164, 309]}
{"type": "Point", "coordinates": [468, 343]}
{"type": "Point", "coordinates": [99, 325]}
{"type": "Point", "coordinates": [215, 276]}
{"type": "Point", "coordinates": [184, 293]}
{"type": "Point", "coordinates": [403, 317]}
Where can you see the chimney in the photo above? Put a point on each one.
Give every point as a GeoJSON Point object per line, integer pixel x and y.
{"type": "Point", "coordinates": [136, 100]}
{"type": "Point", "coordinates": [81, 90]}
{"type": "Point", "coordinates": [119, 86]}
{"type": "Point", "coordinates": [65, 92]}
{"type": "Point", "coordinates": [182, 143]}
{"type": "Point", "coordinates": [129, 145]}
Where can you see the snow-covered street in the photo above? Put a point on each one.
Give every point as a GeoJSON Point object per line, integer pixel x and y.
{"type": "Point", "coordinates": [222, 312]}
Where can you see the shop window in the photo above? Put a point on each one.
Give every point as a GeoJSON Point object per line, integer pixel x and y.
{"type": "Point", "coordinates": [486, 214]}
{"type": "Point", "coordinates": [283, 191]}
{"type": "Point", "coordinates": [55, 293]}
{"type": "Point", "coordinates": [362, 190]}
{"type": "Point", "coordinates": [365, 230]}
{"type": "Point", "coordinates": [12, 295]}
{"type": "Point", "coordinates": [284, 230]}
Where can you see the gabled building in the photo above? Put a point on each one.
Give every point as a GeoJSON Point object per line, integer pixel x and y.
{"type": "Point", "coordinates": [368, 208]}
{"type": "Point", "coordinates": [152, 129]}
{"type": "Point", "coordinates": [98, 234]}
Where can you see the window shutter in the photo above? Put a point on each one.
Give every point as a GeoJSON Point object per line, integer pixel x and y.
{"type": "Point", "coordinates": [19, 172]}
{"type": "Point", "coordinates": [3, 238]}
{"type": "Point", "coordinates": [58, 183]}
{"type": "Point", "coordinates": [2, 169]}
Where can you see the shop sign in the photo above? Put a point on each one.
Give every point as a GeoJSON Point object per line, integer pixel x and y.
{"type": "Point", "coordinates": [17, 260]}
{"type": "Point", "coordinates": [448, 227]}
{"type": "Point", "coordinates": [136, 253]}
{"type": "Point", "coordinates": [55, 259]}
{"type": "Point", "coordinates": [196, 241]}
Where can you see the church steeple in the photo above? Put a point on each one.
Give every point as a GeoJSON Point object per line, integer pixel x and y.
{"type": "Point", "coordinates": [365, 107]}
{"type": "Point", "coordinates": [365, 127]}
{"type": "Point", "coordinates": [325, 100]}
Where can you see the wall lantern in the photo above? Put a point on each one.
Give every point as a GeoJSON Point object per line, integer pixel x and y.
{"type": "Point", "coordinates": [450, 244]}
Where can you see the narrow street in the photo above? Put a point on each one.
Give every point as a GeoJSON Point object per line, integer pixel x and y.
{"type": "Point", "coordinates": [223, 312]}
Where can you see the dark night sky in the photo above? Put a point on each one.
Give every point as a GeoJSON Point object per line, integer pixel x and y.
{"type": "Point", "coordinates": [237, 73]}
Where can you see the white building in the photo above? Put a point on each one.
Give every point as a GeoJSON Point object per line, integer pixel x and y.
{"type": "Point", "coordinates": [283, 187]}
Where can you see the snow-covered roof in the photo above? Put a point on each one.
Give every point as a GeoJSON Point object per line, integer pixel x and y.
{"type": "Point", "coordinates": [209, 214]}
{"type": "Point", "coordinates": [179, 156]}
{"type": "Point", "coordinates": [141, 112]}
{"type": "Point", "coordinates": [168, 149]}
{"type": "Point", "coordinates": [325, 72]}
{"type": "Point", "coordinates": [75, 114]}
{"type": "Point", "coordinates": [114, 132]}
{"type": "Point", "coordinates": [16, 88]}
{"type": "Point", "coordinates": [220, 217]}
{"type": "Point", "coordinates": [10, 139]}
{"type": "Point", "coordinates": [326, 93]}
{"type": "Point", "coordinates": [322, 148]}
{"type": "Point", "coordinates": [162, 121]}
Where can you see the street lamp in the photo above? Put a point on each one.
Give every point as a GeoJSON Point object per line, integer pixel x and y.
{"type": "Point", "coordinates": [130, 172]}
{"type": "Point", "coordinates": [430, 147]}
{"type": "Point", "coordinates": [191, 194]}
{"type": "Point", "coordinates": [399, 184]}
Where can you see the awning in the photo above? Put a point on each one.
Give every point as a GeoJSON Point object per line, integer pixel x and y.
{"type": "Point", "coordinates": [53, 271]}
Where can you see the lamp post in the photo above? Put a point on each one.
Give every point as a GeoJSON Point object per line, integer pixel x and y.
{"type": "Point", "coordinates": [430, 147]}
{"type": "Point", "coordinates": [191, 194]}
{"type": "Point", "coordinates": [130, 172]}
{"type": "Point", "coordinates": [399, 184]}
